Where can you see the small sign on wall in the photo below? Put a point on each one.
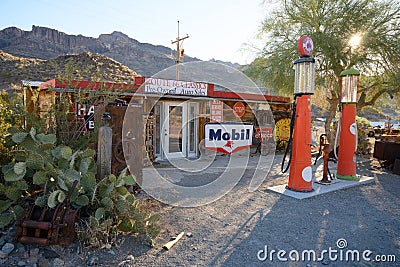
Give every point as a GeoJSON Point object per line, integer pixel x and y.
{"type": "Point", "coordinates": [264, 134]}
{"type": "Point", "coordinates": [86, 114]}
{"type": "Point", "coordinates": [216, 110]}
{"type": "Point", "coordinates": [239, 109]}
{"type": "Point", "coordinates": [173, 87]}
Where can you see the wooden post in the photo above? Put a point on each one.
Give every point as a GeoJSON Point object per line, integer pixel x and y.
{"type": "Point", "coordinates": [104, 149]}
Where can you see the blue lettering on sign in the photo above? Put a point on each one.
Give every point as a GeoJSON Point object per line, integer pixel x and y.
{"type": "Point", "coordinates": [218, 135]}
{"type": "Point", "coordinates": [215, 135]}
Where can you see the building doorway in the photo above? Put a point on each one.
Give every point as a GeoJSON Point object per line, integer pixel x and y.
{"type": "Point", "coordinates": [178, 130]}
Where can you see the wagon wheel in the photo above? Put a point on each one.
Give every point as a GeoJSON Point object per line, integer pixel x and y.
{"type": "Point", "coordinates": [118, 152]}
{"type": "Point", "coordinates": [130, 147]}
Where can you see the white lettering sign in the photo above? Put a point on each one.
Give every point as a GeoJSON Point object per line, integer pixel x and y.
{"type": "Point", "coordinates": [172, 87]}
{"type": "Point", "coordinates": [86, 114]}
{"type": "Point", "coordinates": [228, 137]}
{"type": "Point", "coordinates": [216, 110]}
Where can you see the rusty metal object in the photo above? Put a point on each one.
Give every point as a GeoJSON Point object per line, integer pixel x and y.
{"type": "Point", "coordinates": [45, 226]}
{"type": "Point", "coordinates": [396, 166]}
{"type": "Point", "coordinates": [324, 148]}
{"type": "Point", "coordinates": [323, 142]}
{"type": "Point", "coordinates": [387, 151]}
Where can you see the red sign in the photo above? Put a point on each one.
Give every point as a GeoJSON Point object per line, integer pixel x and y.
{"type": "Point", "coordinates": [264, 134]}
{"type": "Point", "coordinates": [216, 110]}
{"type": "Point", "coordinates": [305, 46]}
{"type": "Point", "coordinates": [239, 109]}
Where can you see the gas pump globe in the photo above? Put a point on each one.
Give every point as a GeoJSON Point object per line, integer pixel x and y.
{"type": "Point", "coordinates": [304, 75]}
{"type": "Point", "coordinates": [349, 81]}
{"type": "Point", "coordinates": [348, 127]}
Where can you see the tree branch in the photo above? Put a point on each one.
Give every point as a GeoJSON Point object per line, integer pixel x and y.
{"type": "Point", "coordinates": [362, 103]}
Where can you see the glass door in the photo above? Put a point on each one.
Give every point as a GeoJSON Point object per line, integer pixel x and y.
{"type": "Point", "coordinates": [192, 126]}
{"type": "Point", "coordinates": [173, 130]}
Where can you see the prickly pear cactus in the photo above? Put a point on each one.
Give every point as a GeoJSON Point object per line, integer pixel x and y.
{"type": "Point", "coordinates": [49, 169]}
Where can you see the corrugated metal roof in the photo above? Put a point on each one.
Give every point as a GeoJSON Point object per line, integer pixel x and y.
{"type": "Point", "coordinates": [31, 83]}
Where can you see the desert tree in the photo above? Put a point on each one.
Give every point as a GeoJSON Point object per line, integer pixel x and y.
{"type": "Point", "coordinates": [361, 34]}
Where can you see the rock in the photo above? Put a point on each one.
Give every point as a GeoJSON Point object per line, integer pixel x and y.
{"type": "Point", "coordinates": [34, 252]}
{"type": "Point", "coordinates": [6, 250]}
{"type": "Point", "coordinates": [108, 246]}
{"type": "Point", "coordinates": [34, 256]}
{"type": "Point", "coordinates": [25, 255]}
{"type": "Point", "coordinates": [325, 262]}
{"type": "Point", "coordinates": [3, 255]}
{"type": "Point", "coordinates": [42, 262]}
{"type": "Point", "coordinates": [189, 234]}
{"type": "Point", "coordinates": [58, 262]}
{"type": "Point", "coordinates": [2, 240]}
{"type": "Point", "coordinates": [126, 264]}
{"type": "Point", "coordinates": [49, 253]}
{"type": "Point", "coordinates": [112, 252]}
{"type": "Point", "coordinates": [20, 248]}
{"type": "Point", "coordinates": [92, 261]}
{"type": "Point", "coordinates": [21, 263]}
{"type": "Point", "coordinates": [130, 258]}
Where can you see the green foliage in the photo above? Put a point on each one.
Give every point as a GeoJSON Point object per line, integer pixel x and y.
{"type": "Point", "coordinates": [10, 111]}
{"type": "Point", "coordinates": [49, 168]}
{"type": "Point", "coordinates": [363, 127]}
{"type": "Point", "coordinates": [44, 151]}
{"type": "Point", "coordinates": [332, 24]}
{"type": "Point", "coordinates": [116, 210]}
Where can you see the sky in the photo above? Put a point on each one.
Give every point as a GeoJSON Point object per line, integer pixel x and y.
{"type": "Point", "coordinates": [217, 29]}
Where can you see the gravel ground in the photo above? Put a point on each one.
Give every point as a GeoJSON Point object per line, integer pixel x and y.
{"type": "Point", "coordinates": [234, 230]}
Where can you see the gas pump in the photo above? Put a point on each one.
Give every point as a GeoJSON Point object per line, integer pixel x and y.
{"type": "Point", "coordinates": [300, 175]}
{"type": "Point", "coordinates": [346, 169]}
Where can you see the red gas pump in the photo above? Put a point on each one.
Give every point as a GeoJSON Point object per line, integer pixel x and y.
{"type": "Point", "coordinates": [300, 175]}
{"type": "Point", "coordinates": [348, 128]}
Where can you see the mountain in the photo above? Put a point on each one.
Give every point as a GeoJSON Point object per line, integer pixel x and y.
{"type": "Point", "coordinates": [45, 43]}
{"type": "Point", "coordinates": [89, 66]}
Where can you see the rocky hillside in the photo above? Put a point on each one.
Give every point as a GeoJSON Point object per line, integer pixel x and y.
{"type": "Point", "coordinates": [45, 43]}
{"type": "Point", "coordinates": [82, 66]}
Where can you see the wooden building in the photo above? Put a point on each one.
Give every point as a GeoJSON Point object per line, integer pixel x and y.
{"type": "Point", "coordinates": [169, 115]}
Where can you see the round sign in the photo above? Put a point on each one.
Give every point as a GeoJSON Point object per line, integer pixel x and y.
{"type": "Point", "coordinates": [305, 46]}
{"type": "Point", "coordinates": [239, 109]}
{"type": "Point", "coordinates": [282, 130]}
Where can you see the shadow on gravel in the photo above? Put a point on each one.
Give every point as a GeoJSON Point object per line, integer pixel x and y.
{"type": "Point", "coordinates": [365, 217]}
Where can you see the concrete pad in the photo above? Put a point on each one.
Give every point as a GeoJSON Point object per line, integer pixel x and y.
{"type": "Point", "coordinates": [319, 189]}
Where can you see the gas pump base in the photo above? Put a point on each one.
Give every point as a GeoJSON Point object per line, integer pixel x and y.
{"type": "Point", "coordinates": [324, 182]}
{"type": "Point", "coordinates": [347, 177]}
{"type": "Point", "coordinates": [331, 182]}
{"type": "Point", "coordinates": [301, 191]}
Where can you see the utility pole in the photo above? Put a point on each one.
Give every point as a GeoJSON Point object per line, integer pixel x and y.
{"type": "Point", "coordinates": [178, 51]}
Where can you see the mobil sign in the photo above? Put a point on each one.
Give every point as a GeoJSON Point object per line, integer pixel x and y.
{"type": "Point", "coordinates": [227, 137]}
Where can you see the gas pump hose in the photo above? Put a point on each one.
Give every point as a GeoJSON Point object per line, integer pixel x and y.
{"type": "Point", "coordinates": [289, 146]}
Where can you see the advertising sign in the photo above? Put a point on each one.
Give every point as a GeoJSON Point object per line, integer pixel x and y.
{"type": "Point", "coordinates": [282, 130]}
{"type": "Point", "coordinates": [86, 114]}
{"type": "Point", "coordinates": [227, 137]}
{"type": "Point", "coordinates": [173, 87]}
{"type": "Point", "coordinates": [264, 134]}
{"type": "Point", "coordinates": [216, 110]}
